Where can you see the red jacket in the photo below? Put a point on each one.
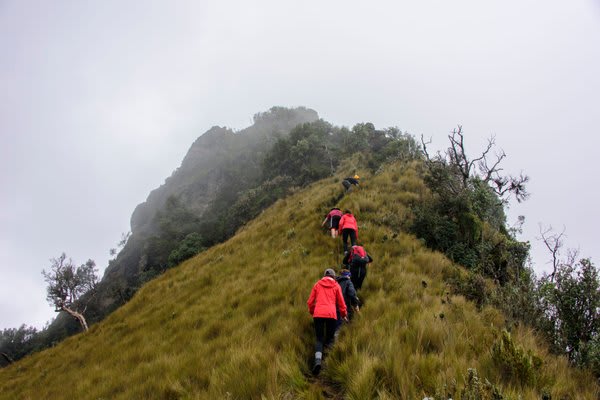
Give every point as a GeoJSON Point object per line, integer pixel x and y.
{"type": "Point", "coordinates": [348, 222]}
{"type": "Point", "coordinates": [325, 298]}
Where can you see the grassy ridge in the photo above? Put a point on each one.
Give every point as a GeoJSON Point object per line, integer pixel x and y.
{"type": "Point", "coordinates": [232, 322]}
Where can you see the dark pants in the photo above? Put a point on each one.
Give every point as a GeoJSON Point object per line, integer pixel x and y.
{"type": "Point", "coordinates": [324, 331]}
{"type": "Point", "coordinates": [334, 222]}
{"type": "Point", "coordinates": [340, 321]}
{"type": "Point", "coordinates": [358, 273]}
{"type": "Point", "coordinates": [348, 232]}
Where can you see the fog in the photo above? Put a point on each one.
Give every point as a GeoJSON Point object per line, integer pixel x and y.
{"type": "Point", "coordinates": [100, 101]}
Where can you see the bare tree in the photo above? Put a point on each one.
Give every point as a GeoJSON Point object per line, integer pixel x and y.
{"type": "Point", "coordinates": [553, 242]}
{"type": "Point", "coordinates": [67, 283]}
{"type": "Point", "coordinates": [484, 167]}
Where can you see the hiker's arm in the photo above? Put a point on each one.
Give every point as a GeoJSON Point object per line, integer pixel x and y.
{"type": "Point", "coordinates": [353, 297]}
{"type": "Point", "coordinates": [311, 301]}
{"type": "Point", "coordinates": [341, 303]}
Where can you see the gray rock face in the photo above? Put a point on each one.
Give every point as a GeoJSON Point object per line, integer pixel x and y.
{"type": "Point", "coordinates": [218, 160]}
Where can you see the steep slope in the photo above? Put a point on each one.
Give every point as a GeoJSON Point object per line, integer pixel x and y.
{"type": "Point", "coordinates": [218, 160]}
{"type": "Point", "coordinates": [232, 322]}
{"type": "Point", "coordinates": [219, 166]}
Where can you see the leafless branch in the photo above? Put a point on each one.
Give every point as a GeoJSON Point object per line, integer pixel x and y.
{"type": "Point", "coordinates": [553, 243]}
{"type": "Point", "coordinates": [425, 147]}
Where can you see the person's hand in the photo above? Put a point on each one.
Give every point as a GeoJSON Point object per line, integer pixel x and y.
{"type": "Point", "coordinates": [345, 319]}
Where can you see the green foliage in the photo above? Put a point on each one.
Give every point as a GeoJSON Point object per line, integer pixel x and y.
{"type": "Point", "coordinates": [465, 219]}
{"type": "Point", "coordinates": [175, 223]}
{"type": "Point", "coordinates": [17, 343]}
{"type": "Point", "coordinates": [304, 155]}
{"type": "Point", "coordinates": [571, 306]}
{"type": "Point", "coordinates": [516, 364]}
{"type": "Point", "coordinates": [589, 354]}
{"type": "Point", "coordinates": [188, 248]}
{"type": "Point", "coordinates": [251, 202]}
{"type": "Point", "coordinates": [67, 282]}
{"type": "Point", "coordinates": [519, 299]}
{"type": "Point", "coordinates": [473, 286]}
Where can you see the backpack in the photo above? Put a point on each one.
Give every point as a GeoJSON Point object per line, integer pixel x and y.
{"type": "Point", "coordinates": [358, 255]}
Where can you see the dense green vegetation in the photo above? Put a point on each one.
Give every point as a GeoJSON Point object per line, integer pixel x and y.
{"type": "Point", "coordinates": [232, 322]}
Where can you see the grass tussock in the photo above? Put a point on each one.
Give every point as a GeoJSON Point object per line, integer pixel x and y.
{"type": "Point", "coordinates": [232, 322]}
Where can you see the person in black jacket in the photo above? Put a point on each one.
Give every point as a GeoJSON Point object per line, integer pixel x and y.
{"type": "Point", "coordinates": [349, 294]}
{"type": "Point", "coordinates": [348, 182]}
{"type": "Point", "coordinates": [356, 260]}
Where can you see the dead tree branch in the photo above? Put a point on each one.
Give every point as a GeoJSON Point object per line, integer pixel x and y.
{"type": "Point", "coordinates": [553, 243]}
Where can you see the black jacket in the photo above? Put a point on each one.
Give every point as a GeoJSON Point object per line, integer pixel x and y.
{"type": "Point", "coordinates": [348, 291]}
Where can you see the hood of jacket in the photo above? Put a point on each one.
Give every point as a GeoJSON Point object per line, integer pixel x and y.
{"type": "Point", "coordinates": [327, 282]}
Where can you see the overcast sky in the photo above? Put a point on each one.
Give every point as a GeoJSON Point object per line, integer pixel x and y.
{"type": "Point", "coordinates": [100, 101]}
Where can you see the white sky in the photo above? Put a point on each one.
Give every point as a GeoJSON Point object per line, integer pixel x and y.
{"type": "Point", "coordinates": [100, 101]}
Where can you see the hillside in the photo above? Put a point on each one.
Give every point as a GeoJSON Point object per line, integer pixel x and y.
{"type": "Point", "coordinates": [219, 166]}
{"type": "Point", "coordinates": [219, 162]}
{"type": "Point", "coordinates": [232, 322]}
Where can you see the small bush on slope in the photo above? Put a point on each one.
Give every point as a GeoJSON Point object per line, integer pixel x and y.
{"type": "Point", "coordinates": [232, 322]}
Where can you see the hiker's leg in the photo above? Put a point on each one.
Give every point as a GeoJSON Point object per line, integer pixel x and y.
{"type": "Point", "coordinates": [354, 272]}
{"type": "Point", "coordinates": [335, 225]}
{"type": "Point", "coordinates": [319, 334]}
{"type": "Point", "coordinates": [362, 274]}
{"type": "Point", "coordinates": [353, 237]}
{"type": "Point", "coordinates": [345, 234]}
{"type": "Point", "coordinates": [330, 325]}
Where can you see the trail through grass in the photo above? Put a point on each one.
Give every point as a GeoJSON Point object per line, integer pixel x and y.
{"type": "Point", "coordinates": [232, 322]}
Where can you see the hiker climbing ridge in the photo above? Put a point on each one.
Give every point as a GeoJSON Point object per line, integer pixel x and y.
{"type": "Point", "coordinates": [324, 302]}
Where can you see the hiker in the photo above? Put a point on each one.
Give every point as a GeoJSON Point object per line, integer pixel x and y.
{"type": "Point", "coordinates": [357, 260]}
{"type": "Point", "coordinates": [349, 228]}
{"type": "Point", "coordinates": [324, 301]}
{"type": "Point", "coordinates": [348, 182]}
{"type": "Point", "coordinates": [349, 293]}
{"type": "Point", "coordinates": [334, 220]}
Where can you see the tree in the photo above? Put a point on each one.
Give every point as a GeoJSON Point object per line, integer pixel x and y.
{"type": "Point", "coordinates": [17, 343]}
{"type": "Point", "coordinates": [482, 167]}
{"type": "Point", "coordinates": [68, 283]}
{"type": "Point", "coordinates": [553, 242]}
{"type": "Point", "coordinates": [188, 248]}
{"type": "Point", "coordinates": [571, 304]}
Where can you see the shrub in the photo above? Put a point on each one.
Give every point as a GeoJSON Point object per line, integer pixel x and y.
{"type": "Point", "coordinates": [477, 390]}
{"type": "Point", "coordinates": [516, 364]}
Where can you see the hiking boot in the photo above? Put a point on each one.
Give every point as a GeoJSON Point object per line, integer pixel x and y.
{"type": "Point", "coordinates": [316, 367]}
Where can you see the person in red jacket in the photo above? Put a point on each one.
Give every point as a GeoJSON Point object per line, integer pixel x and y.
{"type": "Point", "coordinates": [349, 228]}
{"type": "Point", "coordinates": [323, 304]}
{"type": "Point", "coordinates": [333, 217]}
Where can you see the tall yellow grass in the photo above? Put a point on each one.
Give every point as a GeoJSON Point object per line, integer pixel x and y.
{"type": "Point", "coordinates": [232, 322]}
